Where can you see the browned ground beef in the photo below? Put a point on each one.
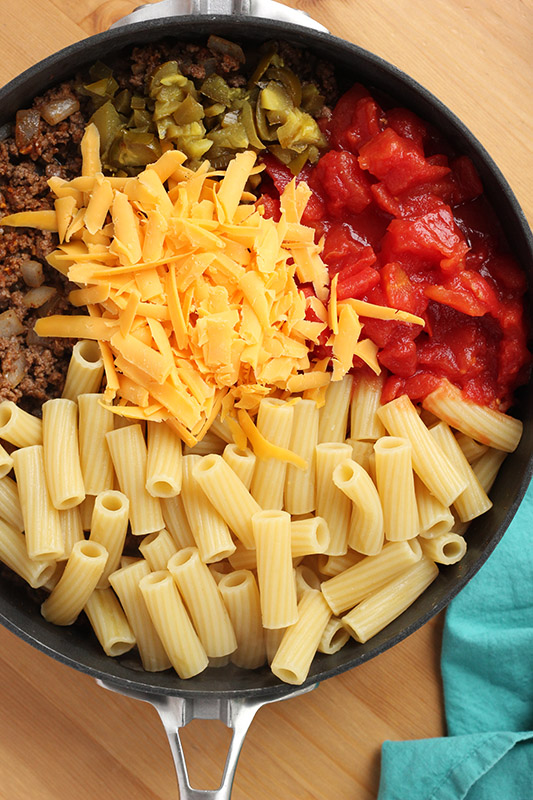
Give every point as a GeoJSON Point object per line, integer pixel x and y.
{"type": "Point", "coordinates": [25, 166]}
{"type": "Point", "coordinates": [26, 163]}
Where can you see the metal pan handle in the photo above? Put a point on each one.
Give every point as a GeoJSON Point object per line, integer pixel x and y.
{"type": "Point", "coordinates": [176, 712]}
{"type": "Point", "coordinates": [269, 9]}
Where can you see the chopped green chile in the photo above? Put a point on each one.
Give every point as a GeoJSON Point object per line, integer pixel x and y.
{"type": "Point", "coordinates": [274, 111]}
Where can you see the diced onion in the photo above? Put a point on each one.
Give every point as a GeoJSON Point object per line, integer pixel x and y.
{"type": "Point", "coordinates": [10, 325]}
{"type": "Point", "coordinates": [32, 273]}
{"type": "Point", "coordinates": [16, 371]}
{"type": "Point", "coordinates": [26, 128]}
{"type": "Point", "coordinates": [37, 297]}
{"type": "Point", "coordinates": [58, 110]}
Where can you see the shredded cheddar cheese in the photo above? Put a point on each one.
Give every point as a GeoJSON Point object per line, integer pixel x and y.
{"type": "Point", "coordinates": [193, 294]}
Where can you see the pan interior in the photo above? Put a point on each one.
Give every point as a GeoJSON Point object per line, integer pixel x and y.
{"type": "Point", "coordinates": [76, 645]}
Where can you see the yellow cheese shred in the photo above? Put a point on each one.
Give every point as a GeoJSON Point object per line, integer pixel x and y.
{"type": "Point", "coordinates": [193, 294]}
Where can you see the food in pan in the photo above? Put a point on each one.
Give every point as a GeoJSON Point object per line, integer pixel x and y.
{"type": "Point", "coordinates": [288, 396]}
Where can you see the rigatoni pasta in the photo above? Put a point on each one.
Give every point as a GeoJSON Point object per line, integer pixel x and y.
{"type": "Point", "coordinates": [61, 453]}
{"type": "Point", "coordinates": [82, 572]}
{"type": "Point", "coordinates": [94, 422]}
{"type": "Point", "coordinates": [85, 370]}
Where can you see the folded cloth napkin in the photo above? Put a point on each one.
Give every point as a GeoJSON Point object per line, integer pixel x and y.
{"type": "Point", "coordinates": [487, 672]}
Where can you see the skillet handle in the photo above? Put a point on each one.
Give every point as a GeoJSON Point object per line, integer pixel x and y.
{"type": "Point", "coordinates": [175, 712]}
{"type": "Point", "coordinates": [268, 9]}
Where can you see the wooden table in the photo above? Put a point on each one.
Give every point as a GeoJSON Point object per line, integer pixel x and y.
{"type": "Point", "coordinates": [61, 736]}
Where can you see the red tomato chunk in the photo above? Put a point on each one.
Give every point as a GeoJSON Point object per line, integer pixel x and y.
{"type": "Point", "coordinates": [404, 223]}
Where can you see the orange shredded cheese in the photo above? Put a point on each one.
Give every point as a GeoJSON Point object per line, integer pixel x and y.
{"type": "Point", "coordinates": [193, 294]}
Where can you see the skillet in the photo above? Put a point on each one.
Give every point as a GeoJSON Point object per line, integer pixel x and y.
{"type": "Point", "coordinates": [229, 693]}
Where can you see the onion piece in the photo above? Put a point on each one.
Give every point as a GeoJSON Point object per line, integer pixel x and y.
{"type": "Point", "coordinates": [26, 128]}
{"type": "Point", "coordinates": [37, 297]}
{"type": "Point", "coordinates": [10, 325]}
{"type": "Point", "coordinates": [16, 371]}
{"type": "Point", "coordinates": [32, 273]}
{"type": "Point", "coordinates": [56, 111]}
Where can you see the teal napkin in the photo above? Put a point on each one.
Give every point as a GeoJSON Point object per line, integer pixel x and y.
{"type": "Point", "coordinates": [487, 672]}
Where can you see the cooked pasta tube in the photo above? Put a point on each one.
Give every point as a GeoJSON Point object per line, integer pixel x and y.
{"type": "Point", "coordinates": [221, 430]}
{"type": "Point", "coordinates": [300, 484]}
{"type": "Point", "coordinates": [128, 452]}
{"type": "Point", "coordinates": [72, 529]}
{"type": "Point", "coordinates": [6, 462]}
{"type": "Point", "coordinates": [273, 637]}
{"type": "Point", "coordinates": [86, 511]}
{"type": "Point", "coordinates": [331, 503]}
{"type": "Point", "coordinates": [333, 565]}
{"type": "Point", "coordinates": [272, 533]}
{"type": "Point", "coordinates": [429, 462]}
{"type": "Point", "coordinates": [61, 453]}
{"type": "Point", "coordinates": [176, 521]}
{"type": "Point", "coordinates": [204, 602]}
{"type": "Point", "coordinates": [274, 422]}
{"type": "Point", "coordinates": [472, 450]}
{"type": "Point", "coordinates": [448, 548]}
{"type": "Point", "coordinates": [434, 518]}
{"type": "Point", "coordinates": [357, 582]}
{"type": "Point", "coordinates": [14, 554]}
{"type": "Point", "coordinates": [173, 624]}
{"type": "Point", "coordinates": [334, 637]}
{"type": "Point", "coordinates": [109, 622]}
{"type": "Point", "coordinates": [220, 568]}
{"type": "Point", "coordinates": [82, 573]}
{"type": "Point", "coordinates": [164, 461]}
{"type": "Point", "coordinates": [474, 500]}
{"type": "Point", "coordinates": [109, 525]}
{"type": "Point", "coordinates": [44, 537]}
{"type": "Point", "coordinates": [242, 462]}
{"type": "Point", "coordinates": [365, 424]}
{"type": "Point", "coordinates": [333, 417]}
{"type": "Point", "coordinates": [211, 533]}
{"type": "Point", "coordinates": [243, 557]}
{"type": "Point", "coordinates": [85, 370]}
{"type": "Point", "coordinates": [483, 424]}
{"type": "Point", "coordinates": [487, 467]}
{"type": "Point", "coordinates": [95, 459]}
{"type": "Point", "coordinates": [384, 605]}
{"type": "Point", "coordinates": [55, 577]}
{"type": "Point", "coordinates": [361, 452]}
{"type": "Point", "coordinates": [18, 427]}
{"type": "Point", "coordinates": [396, 488]}
{"type": "Point", "coordinates": [228, 494]}
{"type": "Point", "coordinates": [10, 509]}
{"type": "Point", "coordinates": [309, 536]}
{"type": "Point", "coordinates": [305, 579]}
{"type": "Point", "coordinates": [366, 524]}
{"type": "Point", "coordinates": [157, 548]}
{"type": "Point", "coordinates": [125, 582]}
{"type": "Point", "coordinates": [211, 443]}
{"type": "Point", "coordinates": [300, 641]}
{"type": "Point", "coordinates": [241, 597]}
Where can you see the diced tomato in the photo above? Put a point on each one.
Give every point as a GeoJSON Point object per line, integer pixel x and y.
{"type": "Point", "coordinates": [467, 292]}
{"type": "Point", "coordinates": [399, 356]}
{"type": "Point", "coordinates": [271, 206]}
{"type": "Point", "coordinates": [468, 185]}
{"type": "Point", "coordinates": [346, 186]}
{"type": "Point", "coordinates": [365, 123]}
{"type": "Point", "coordinates": [399, 290]}
{"type": "Point", "coordinates": [434, 236]}
{"type": "Point", "coordinates": [408, 125]}
{"type": "Point", "coordinates": [398, 162]}
{"type": "Point", "coordinates": [357, 285]}
{"type": "Point", "coordinates": [342, 116]}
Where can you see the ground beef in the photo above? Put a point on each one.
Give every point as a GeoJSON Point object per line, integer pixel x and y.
{"type": "Point", "coordinates": [25, 166]}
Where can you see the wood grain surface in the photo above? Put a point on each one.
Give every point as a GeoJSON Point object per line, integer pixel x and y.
{"type": "Point", "coordinates": [63, 737]}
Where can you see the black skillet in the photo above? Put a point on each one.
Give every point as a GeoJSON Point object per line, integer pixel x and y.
{"type": "Point", "coordinates": [228, 693]}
